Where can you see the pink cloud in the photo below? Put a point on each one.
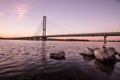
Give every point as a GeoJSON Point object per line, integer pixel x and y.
{"type": "Point", "coordinates": [21, 7]}
{"type": "Point", "coordinates": [21, 11]}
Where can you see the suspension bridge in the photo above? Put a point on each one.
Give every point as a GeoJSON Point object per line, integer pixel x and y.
{"type": "Point", "coordinates": [45, 37]}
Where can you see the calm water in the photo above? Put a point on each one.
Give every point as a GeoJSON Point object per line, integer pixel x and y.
{"type": "Point", "coordinates": [30, 60]}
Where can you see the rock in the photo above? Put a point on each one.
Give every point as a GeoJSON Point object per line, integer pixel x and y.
{"type": "Point", "coordinates": [58, 55]}
{"type": "Point", "coordinates": [118, 54]}
{"type": "Point", "coordinates": [88, 51]}
{"type": "Point", "coordinates": [105, 53]}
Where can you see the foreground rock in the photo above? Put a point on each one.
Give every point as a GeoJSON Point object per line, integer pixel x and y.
{"type": "Point", "coordinates": [88, 52]}
{"type": "Point", "coordinates": [58, 55]}
{"type": "Point", "coordinates": [105, 53]}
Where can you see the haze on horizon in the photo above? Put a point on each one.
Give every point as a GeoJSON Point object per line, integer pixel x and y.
{"type": "Point", "coordinates": [24, 17]}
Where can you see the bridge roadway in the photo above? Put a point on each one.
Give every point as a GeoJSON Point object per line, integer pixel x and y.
{"type": "Point", "coordinates": [104, 34]}
{"type": "Point", "coordinates": [86, 34]}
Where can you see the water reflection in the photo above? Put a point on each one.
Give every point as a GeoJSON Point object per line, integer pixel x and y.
{"type": "Point", "coordinates": [88, 58]}
{"type": "Point", "coordinates": [31, 61]}
{"type": "Point", "coordinates": [107, 68]}
{"type": "Point", "coordinates": [43, 54]}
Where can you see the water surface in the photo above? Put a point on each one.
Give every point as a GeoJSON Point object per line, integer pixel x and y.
{"type": "Point", "coordinates": [30, 60]}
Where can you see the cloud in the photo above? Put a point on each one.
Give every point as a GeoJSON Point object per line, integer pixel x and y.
{"type": "Point", "coordinates": [22, 7]}
{"type": "Point", "coordinates": [21, 11]}
{"type": "Point", "coordinates": [1, 14]}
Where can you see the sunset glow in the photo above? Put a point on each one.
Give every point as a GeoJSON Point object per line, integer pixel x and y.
{"type": "Point", "coordinates": [24, 17]}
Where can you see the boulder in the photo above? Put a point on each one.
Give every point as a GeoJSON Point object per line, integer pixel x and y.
{"type": "Point", "coordinates": [105, 53]}
{"type": "Point", "coordinates": [88, 51]}
{"type": "Point", "coordinates": [58, 55]}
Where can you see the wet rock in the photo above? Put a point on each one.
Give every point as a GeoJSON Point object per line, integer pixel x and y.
{"type": "Point", "coordinates": [88, 51]}
{"type": "Point", "coordinates": [118, 54]}
{"type": "Point", "coordinates": [105, 54]}
{"type": "Point", "coordinates": [58, 55]}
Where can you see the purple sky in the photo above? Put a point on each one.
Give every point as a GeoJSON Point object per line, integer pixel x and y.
{"type": "Point", "coordinates": [24, 17]}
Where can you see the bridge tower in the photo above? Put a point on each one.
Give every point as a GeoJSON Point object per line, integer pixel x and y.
{"type": "Point", "coordinates": [44, 28]}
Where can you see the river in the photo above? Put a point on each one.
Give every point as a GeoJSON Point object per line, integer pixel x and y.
{"type": "Point", "coordinates": [30, 60]}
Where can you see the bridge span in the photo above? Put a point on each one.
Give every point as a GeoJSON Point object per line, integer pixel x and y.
{"type": "Point", "coordinates": [104, 34]}
{"type": "Point", "coordinates": [86, 34]}
{"type": "Point", "coordinates": [44, 36]}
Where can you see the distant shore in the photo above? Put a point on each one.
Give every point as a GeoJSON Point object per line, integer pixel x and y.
{"type": "Point", "coordinates": [85, 40]}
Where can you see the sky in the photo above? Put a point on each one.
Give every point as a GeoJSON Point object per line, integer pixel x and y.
{"type": "Point", "coordinates": [19, 18]}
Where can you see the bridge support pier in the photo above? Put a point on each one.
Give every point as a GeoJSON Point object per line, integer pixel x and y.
{"type": "Point", "coordinates": [44, 38]}
{"type": "Point", "coordinates": [105, 39]}
{"type": "Point", "coordinates": [34, 38]}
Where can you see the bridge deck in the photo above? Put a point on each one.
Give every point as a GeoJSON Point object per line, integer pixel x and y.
{"type": "Point", "coordinates": [72, 35]}
{"type": "Point", "coordinates": [86, 34]}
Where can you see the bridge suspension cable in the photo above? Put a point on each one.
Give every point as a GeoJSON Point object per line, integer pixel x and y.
{"type": "Point", "coordinates": [38, 30]}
